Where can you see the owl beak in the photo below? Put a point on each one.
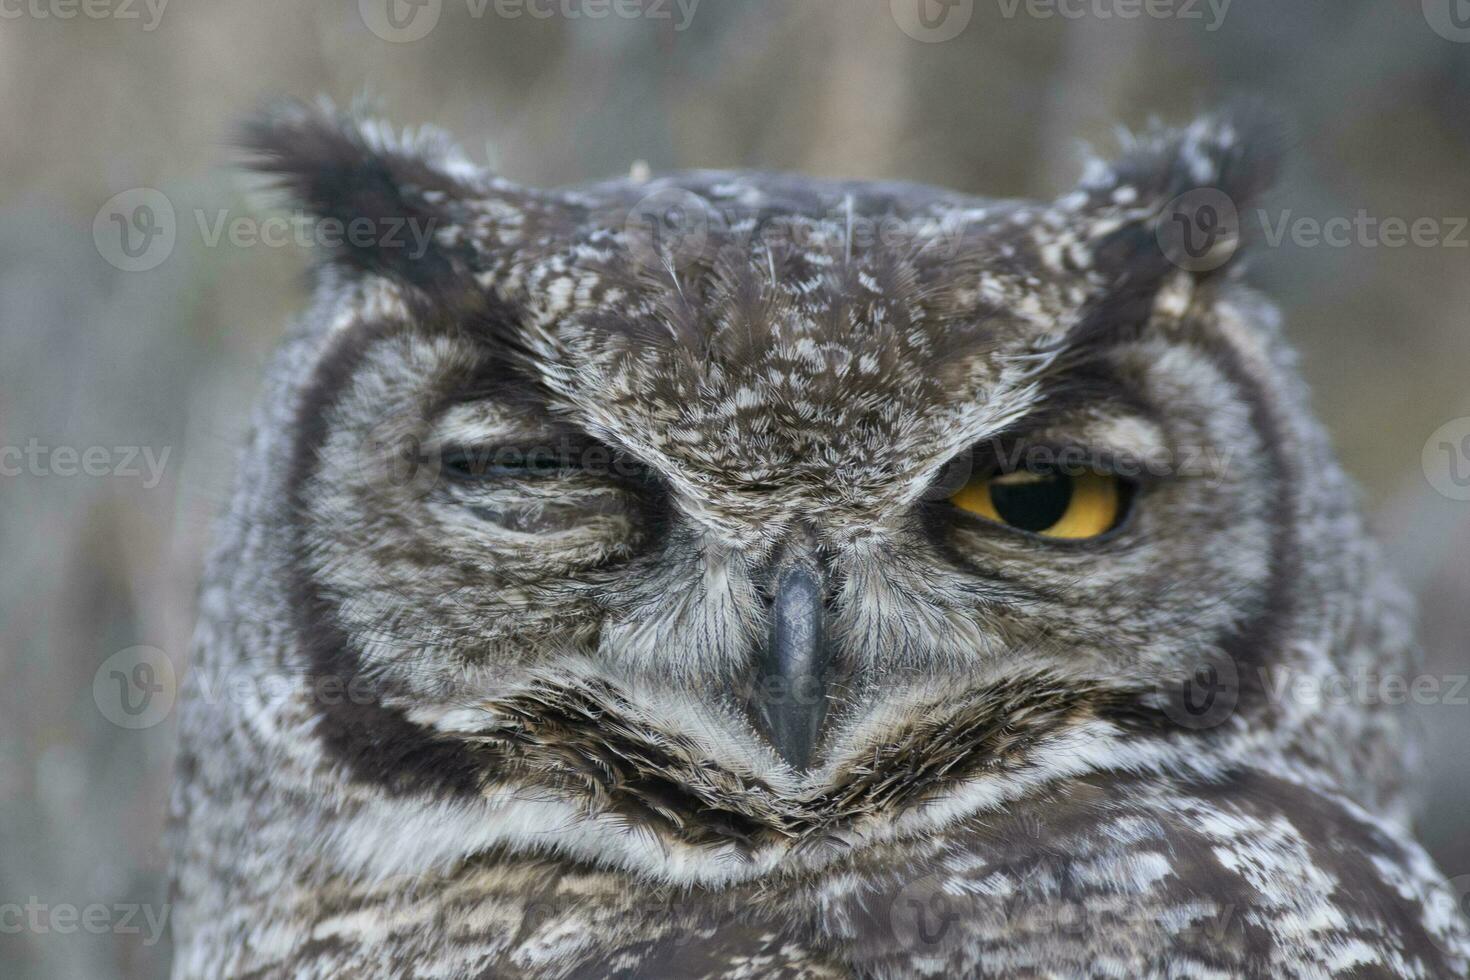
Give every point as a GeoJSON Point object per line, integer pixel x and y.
{"type": "Point", "coordinates": [789, 701]}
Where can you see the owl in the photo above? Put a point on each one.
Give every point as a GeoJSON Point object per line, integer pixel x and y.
{"type": "Point", "coordinates": [745, 575]}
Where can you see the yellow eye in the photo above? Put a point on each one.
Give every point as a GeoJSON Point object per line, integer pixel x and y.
{"type": "Point", "coordinates": [1053, 505]}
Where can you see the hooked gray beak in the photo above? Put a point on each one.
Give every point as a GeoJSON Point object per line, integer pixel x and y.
{"type": "Point", "coordinates": [790, 696]}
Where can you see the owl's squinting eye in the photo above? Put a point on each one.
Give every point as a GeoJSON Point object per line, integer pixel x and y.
{"type": "Point", "coordinates": [469, 464]}
{"type": "Point", "coordinates": [1050, 504]}
{"type": "Point", "coordinates": [479, 464]}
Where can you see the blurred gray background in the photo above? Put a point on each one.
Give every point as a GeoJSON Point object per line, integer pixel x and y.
{"type": "Point", "coordinates": [98, 354]}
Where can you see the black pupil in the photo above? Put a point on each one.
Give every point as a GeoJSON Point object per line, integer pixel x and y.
{"type": "Point", "coordinates": [1034, 505]}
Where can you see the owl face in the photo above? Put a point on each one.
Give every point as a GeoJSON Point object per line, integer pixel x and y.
{"type": "Point", "coordinates": [578, 510]}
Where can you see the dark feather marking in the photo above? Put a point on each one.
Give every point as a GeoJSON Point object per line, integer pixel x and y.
{"type": "Point", "coordinates": [326, 162]}
{"type": "Point", "coordinates": [583, 738]}
{"type": "Point", "coordinates": [1161, 166]}
{"type": "Point", "coordinates": [378, 743]}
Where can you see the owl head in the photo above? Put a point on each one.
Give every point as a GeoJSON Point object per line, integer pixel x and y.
{"type": "Point", "coordinates": [744, 514]}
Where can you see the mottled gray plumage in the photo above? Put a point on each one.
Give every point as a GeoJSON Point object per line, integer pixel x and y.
{"type": "Point", "coordinates": [510, 725]}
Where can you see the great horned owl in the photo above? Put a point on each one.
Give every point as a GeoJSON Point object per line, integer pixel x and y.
{"type": "Point", "coordinates": [791, 578]}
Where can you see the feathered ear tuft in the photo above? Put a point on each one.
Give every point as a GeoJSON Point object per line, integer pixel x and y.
{"type": "Point", "coordinates": [1172, 205]}
{"type": "Point", "coordinates": [383, 204]}
{"type": "Point", "coordinates": [1177, 196]}
{"type": "Point", "coordinates": [1237, 151]}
